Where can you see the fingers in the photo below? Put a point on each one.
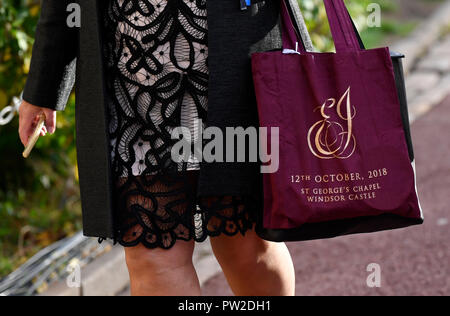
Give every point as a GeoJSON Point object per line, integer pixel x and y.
{"type": "Point", "coordinates": [26, 127]}
{"type": "Point", "coordinates": [50, 120]}
{"type": "Point", "coordinates": [23, 119]}
{"type": "Point", "coordinates": [43, 131]}
{"type": "Point", "coordinates": [25, 135]}
{"type": "Point", "coordinates": [28, 119]}
{"type": "Point", "coordinates": [23, 138]}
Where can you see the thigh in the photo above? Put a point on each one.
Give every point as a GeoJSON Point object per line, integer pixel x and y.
{"type": "Point", "coordinates": [159, 259]}
{"type": "Point", "coordinates": [156, 221]}
{"type": "Point", "coordinates": [239, 249]}
{"type": "Point", "coordinates": [156, 210]}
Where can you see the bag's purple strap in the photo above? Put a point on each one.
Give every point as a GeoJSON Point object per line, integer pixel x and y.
{"type": "Point", "coordinates": [290, 37]}
{"type": "Point", "coordinates": [341, 26]}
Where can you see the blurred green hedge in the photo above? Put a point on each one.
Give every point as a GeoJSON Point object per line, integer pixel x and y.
{"type": "Point", "coordinates": [39, 196]}
{"type": "Point", "coordinates": [319, 29]}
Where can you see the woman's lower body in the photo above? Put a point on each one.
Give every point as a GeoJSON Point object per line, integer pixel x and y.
{"type": "Point", "coordinates": [157, 80]}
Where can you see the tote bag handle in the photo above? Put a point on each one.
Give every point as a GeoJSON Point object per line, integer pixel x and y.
{"type": "Point", "coordinates": [289, 32]}
{"type": "Point", "coordinates": [345, 35]}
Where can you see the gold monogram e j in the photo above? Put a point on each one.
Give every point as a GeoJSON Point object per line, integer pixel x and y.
{"type": "Point", "coordinates": [329, 139]}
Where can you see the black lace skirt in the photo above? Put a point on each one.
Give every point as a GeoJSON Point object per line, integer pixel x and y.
{"type": "Point", "coordinates": [156, 64]}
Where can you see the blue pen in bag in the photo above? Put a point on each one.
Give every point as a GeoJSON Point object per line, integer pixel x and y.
{"type": "Point", "coordinates": [245, 4]}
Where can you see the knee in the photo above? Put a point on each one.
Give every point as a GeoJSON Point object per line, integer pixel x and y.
{"type": "Point", "coordinates": [142, 260]}
{"type": "Point", "coordinates": [242, 251]}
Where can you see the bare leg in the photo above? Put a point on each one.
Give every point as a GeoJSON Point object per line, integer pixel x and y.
{"type": "Point", "coordinates": [165, 272]}
{"type": "Point", "coordinates": [254, 266]}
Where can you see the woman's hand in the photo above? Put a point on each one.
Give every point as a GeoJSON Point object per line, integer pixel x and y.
{"type": "Point", "coordinates": [29, 117]}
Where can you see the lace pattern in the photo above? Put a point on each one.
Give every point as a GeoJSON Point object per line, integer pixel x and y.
{"type": "Point", "coordinates": [158, 210]}
{"type": "Point", "coordinates": [156, 59]}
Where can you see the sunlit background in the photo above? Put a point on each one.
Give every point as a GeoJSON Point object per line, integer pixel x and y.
{"type": "Point", "coordinates": [39, 196]}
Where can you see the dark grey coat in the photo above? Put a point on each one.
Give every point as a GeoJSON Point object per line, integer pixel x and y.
{"type": "Point", "coordinates": [63, 56]}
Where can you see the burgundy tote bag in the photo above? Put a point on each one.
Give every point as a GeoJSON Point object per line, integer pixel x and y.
{"type": "Point", "coordinates": [344, 163]}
